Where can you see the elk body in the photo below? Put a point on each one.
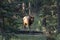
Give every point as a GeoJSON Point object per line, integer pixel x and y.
{"type": "Point", "coordinates": [27, 21]}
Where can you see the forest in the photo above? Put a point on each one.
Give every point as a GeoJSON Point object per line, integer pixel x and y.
{"type": "Point", "coordinates": [46, 19]}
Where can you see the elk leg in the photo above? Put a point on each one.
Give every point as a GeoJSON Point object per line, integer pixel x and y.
{"type": "Point", "coordinates": [29, 28]}
{"type": "Point", "coordinates": [25, 26]}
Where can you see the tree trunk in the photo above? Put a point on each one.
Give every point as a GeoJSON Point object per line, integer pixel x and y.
{"type": "Point", "coordinates": [58, 12]}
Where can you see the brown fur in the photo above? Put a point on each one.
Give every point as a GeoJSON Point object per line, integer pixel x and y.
{"type": "Point", "coordinates": [27, 21]}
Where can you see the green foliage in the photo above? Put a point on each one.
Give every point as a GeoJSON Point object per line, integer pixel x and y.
{"type": "Point", "coordinates": [58, 37]}
{"type": "Point", "coordinates": [12, 14]}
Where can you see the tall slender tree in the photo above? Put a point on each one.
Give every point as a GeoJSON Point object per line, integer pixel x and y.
{"type": "Point", "coordinates": [58, 12]}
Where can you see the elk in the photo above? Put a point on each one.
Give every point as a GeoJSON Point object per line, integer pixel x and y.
{"type": "Point", "coordinates": [27, 21]}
